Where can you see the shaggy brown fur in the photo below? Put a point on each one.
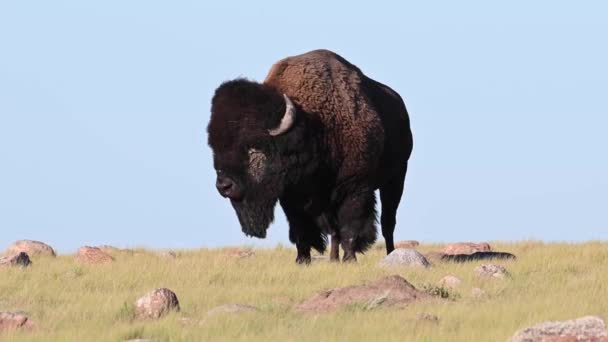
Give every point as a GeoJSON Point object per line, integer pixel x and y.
{"type": "Point", "coordinates": [351, 136]}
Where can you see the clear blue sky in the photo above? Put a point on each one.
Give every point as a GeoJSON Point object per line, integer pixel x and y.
{"type": "Point", "coordinates": [104, 105]}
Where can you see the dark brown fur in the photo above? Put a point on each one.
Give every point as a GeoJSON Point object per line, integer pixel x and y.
{"type": "Point", "coordinates": [351, 137]}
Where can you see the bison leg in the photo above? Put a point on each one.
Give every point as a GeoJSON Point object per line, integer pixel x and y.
{"type": "Point", "coordinates": [390, 196]}
{"type": "Point", "coordinates": [303, 231]}
{"type": "Point", "coordinates": [356, 221]}
{"type": "Point", "coordinates": [334, 253]}
{"type": "Point", "coordinates": [303, 257]}
{"type": "Point", "coordinates": [326, 226]}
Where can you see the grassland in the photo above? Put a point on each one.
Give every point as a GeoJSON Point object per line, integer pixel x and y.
{"type": "Point", "coordinates": [73, 302]}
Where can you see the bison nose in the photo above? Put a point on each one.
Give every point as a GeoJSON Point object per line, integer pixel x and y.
{"type": "Point", "coordinates": [226, 187]}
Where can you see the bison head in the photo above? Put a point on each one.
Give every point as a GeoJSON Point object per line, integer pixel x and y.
{"type": "Point", "coordinates": [249, 132]}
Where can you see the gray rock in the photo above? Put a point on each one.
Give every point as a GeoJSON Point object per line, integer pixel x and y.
{"type": "Point", "coordinates": [588, 328]}
{"type": "Point", "coordinates": [405, 257]}
{"type": "Point", "coordinates": [476, 292]}
{"type": "Point", "coordinates": [168, 255]}
{"type": "Point", "coordinates": [156, 304]}
{"type": "Point", "coordinates": [450, 281]}
{"type": "Point", "coordinates": [491, 270]}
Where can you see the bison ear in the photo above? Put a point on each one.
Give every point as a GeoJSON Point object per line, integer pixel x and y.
{"type": "Point", "coordinates": [288, 118]}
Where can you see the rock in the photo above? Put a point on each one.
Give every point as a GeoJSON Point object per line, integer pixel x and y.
{"type": "Point", "coordinates": [231, 308]}
{"type": "Point", "coordinates": [15, 321]}
{"type": "Point", "coordinates": [466, 248]}
{"type": "Point", "coordinates": [388, 291]}
{"type": "Point", "coordinates": [31, 247]}
{"type": "Point", "coordinates": [168, 255]}
{"type": "Point", "coordinates": [450, 281]}
{"type": "Point", "coordinates": [476, 292]}
{"type": "Point", "coordinates": [405, 257]}
{"type": "Point", "coordinates": [16, 259]}
{"type": "Point", "coordinates": [239, 253]}
{"type": "Point", "coordinates": [476, 256]}
{"type": "Point", "coordinates": [114, 251]}
{"type": "Point", "coordinates": [434, 257]}
{"type": "Point", "coordinates": [92, 255]}
{"type": "Point", "coordinates": [428, 317]}
{"type": "Point", "coordinates": [156, 304]}
{"type": "Point", "coordinates": [407, 244]}
{"type": "Point", "coordinates": [588, 328]}
{"type": "Point", "coordinates": [491, 270]}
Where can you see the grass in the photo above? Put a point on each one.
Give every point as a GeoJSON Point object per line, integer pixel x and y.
{"type": "Point", "coordinates": [73, 302]}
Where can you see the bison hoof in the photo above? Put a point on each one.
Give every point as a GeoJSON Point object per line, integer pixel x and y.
{"type": "Point", "coordinates": [303, 260]}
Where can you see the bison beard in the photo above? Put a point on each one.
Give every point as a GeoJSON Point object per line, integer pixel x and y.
{"type": "Point", "coordinates": [255, 216]}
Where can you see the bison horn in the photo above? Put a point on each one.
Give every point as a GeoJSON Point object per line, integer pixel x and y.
{"type": "Point", "coordinates": [287, 120]}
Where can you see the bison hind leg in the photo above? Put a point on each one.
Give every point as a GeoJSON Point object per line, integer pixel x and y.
{"type": "Point", "coordinates": [357, 221]}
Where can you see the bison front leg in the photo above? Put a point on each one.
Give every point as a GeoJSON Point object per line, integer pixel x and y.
{"type": "Point", "coordinates": [329, 228]}
{"type": "Point", "coordinates": [356, 221]}
{"type": "Point", "coordinates": [303, 231]}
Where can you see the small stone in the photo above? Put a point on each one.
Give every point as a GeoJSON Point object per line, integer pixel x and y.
{"type": "Point", "coordinates": [405, 257]}
{"type": "Point", "coordinates": [428, 317]}
{"type": "Point", "coordinates": [231, 308]}
{"type": "Point", "coordinates": [450, 281]}
{"type": "Point", "coordinates": [14, 321]}
{"type": "Point", "coordinates": [491, 270]}
{"type": "Point", "coordinates": [168, 255]}
{"type": "Point", "coordinates": [239, 253]}
{"type": "Point", "coordinates": [92, 255]}
{"type": "Point", "coordinates": [588, 328]}
{"type": "Point", "coordinates": [466, 248]}
{"type": "Point", "coordinates": [407, 244]}
{"type": "Point", "coordinates": [476, 292]}
{"type": "Point", "coordinates": [434, 257]}
{"type": "Point", "coordinates": [156, 304]}
{"type": "Point", "coordinates": [17, 259]}
{"type": "Point", "coordinates": [31, 247]}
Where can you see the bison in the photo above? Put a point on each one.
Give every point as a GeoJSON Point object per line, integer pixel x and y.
{"type": "Point", "coordinates": [319, 137]}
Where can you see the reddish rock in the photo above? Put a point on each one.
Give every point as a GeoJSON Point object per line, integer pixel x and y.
{"type": "Point", "coordinates": [31, 247]}
{"type": "Point", "coordinates": [17, 259]}
{"type": "Point", "coordinates": [168, 255]}
{"type": "Point", "coordinates": [466, 248]}
{"type": "Point", "coordinates": [15, 320]}
{"type": "Point", "coordinates": [239, 253]}
{"type": "Point", "coordinates": [388, 291]}
{"type": "Point", "coordinates": [407, 244]}
{"type": "Point", "coordinates": [92, 255]}
{"type": "Point", "coordinates": [156, 304]}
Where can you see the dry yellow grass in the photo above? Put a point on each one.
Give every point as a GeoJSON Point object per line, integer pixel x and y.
{"type": "Point", "coordinates": [73, 302]}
